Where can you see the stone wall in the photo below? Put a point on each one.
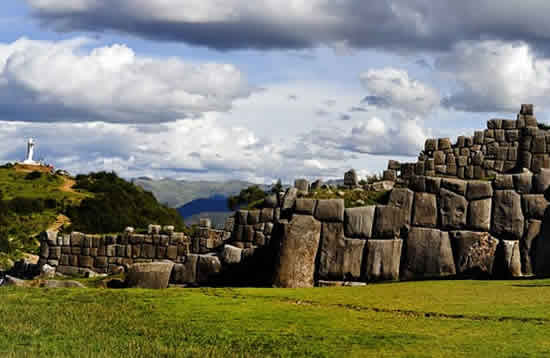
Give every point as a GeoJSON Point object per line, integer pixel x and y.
{"type": "Point", "coordinates": [431, 227]}
{"type": "Point", "coordinates": [76, 253]}
{"type": "Point", "coordinates": [505, 146]}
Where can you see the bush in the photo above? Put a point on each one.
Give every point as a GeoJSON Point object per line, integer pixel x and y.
{"type": "Point", "coordinates": [33, 175]}
{"type": "Point", "coordinates": [252, 194]}
{"type": "Point", "coordinates": [117, 204]}
{"type": "Point", "coordinates": [26, 206]}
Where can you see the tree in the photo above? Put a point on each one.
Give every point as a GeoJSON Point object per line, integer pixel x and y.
{"type": "Point", "coordinates": [277, 187]}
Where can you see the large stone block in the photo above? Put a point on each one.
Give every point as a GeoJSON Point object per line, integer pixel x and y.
{"type": "Point", "coordinates": [330, 210]}
{"type": "Point", "coordinates": [149, 275]}
{"type": "Point", "coordinates": [253, 217]}
{"type": "Point", "coordinates": [430, 145]}
{"type": "Point", "coordinates": [479, 190]}
{"type": "Point", "coordinates": [388, 221]}
{"type": "Point", "coordinates": [439, 158]}
{"type": "Point", "coordinates": [359, 221]}
{"type": "Point", "coordinates": [504, 182]}
{"type": "Point", "coordinates": [289, 199]}
{"type": "Point", "coordinates": [534, 206]}
{"type": "Point", "coordinates": [208, 268]}
{"type": "Point", "coordinates": [340, 259]}
{"type": "Point", "coordinates": [507, 215]}
{"type": "Point", "coordinates": [527, 246]}
{"type": "Point", "coordinates": [474, 253]}
{"type": "Point", "coordinates": [186, 273]}
{"type": "Point", "coordinates": [403, 199]}
{"type": "Point", "coordinates": [305, 206]}
{"type": "Point", "coordinates": [511, 259]}
{"type": "Point", "coordinates": [479, 214]}
{"type": "Point", "coordinates": [242, 217]}
{"type": "Point", "coordinates": [425, 210]}
{"type": "Point", "coordinates": [427, 254]}
{"type": "Point", "coordinates": [383, 260]}
{"type": "Point", "coordinates": [523, 182]}
{"type": "Point", "coordinates": [541, 181]}
{"type": "Point", "coordinates": [455, 185]}
{"type": "Point", "coordinates": [453, 210]}
{"type": "Point", "coordinates": [298, 250]}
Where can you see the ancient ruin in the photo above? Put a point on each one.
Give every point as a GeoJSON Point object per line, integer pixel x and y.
{"type": "Point", "coordinates": [435, 225]}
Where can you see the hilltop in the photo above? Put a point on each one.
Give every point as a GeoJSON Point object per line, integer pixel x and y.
{"type": "Point", "coordinates": [33, 200]}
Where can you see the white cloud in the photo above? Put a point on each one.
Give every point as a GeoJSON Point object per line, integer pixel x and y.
{"type": "Point", "coordinates": [393, 88]}
{"type": "Point", "coordinates": [494, 76]}
{"type": "Point", "coordinates": [61, 81]}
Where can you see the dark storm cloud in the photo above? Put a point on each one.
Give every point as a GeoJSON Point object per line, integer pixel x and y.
{"type": "Point", "coordinates": [394, 25]}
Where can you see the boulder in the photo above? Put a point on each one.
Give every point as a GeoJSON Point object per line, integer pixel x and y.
{"type": "Point", "coordinates": [527, 247]}
{"type": "Point", "coordinates": [305, 206]}
{"type": "Point", "coordinates": [47, 272]}
{"type": "Point", "coordinates": [507, 215]}
{"type": "Point", "coordinates": [380, 186]}
{"type": "Point", "coordinates": [149, 275]}
{"type": "Point", "coordinates": [359, 221]}
{"type": "Point", "coordinates": [479, 214]}
{"type": "Point", "coordinates": [299, 244]}
{"type": "Point", "coordinates": [474, 253]}
{"type": "Point", "coordinates": [383, 260]}
{"type": "Point", "coordinates": [425, 210]}
{"type": "Point", "coordinates": [208, 268]}
{"type": "Point", "coordinates": [186, 273]}
{"type": "Point", "coordinates": [478, 189]}
{"type": "Point", "coordinates": [427, 254]}
{"type": "Point", "coordinates": [231, 254]}
{"type": "Point", "coordinates": [388, 221]}
{"type": "Point", "coordinates": [534, 205]}
{"type": "Point", "coordinates": [340, 259]}
{"type": "Point", "coordinates": [12, 281]}
{"type": "Point", "coordinates": [403, 199]}
{"type": "Point", "coordinates": [330, 210]}
{"type": "Point", "coordinates": [453, 210]}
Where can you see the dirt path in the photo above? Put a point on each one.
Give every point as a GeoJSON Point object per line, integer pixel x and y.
{"type": "Point", "coordinates": [60, 221]}
{"type": "Point", "coordinates": [67, 185]}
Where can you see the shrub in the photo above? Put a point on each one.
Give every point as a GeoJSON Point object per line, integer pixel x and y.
{"type": "Point", "coordinates": [252, 194]}
{"type": "Point", "coordinates": [33, 175]}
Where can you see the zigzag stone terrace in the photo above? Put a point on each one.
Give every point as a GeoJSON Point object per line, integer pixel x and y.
{"type": "Point", "coordinates": [494, 224]}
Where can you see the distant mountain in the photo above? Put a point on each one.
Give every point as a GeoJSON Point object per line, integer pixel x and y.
{"type": "Point", "coordinates": [216, 203]}
{"type": "Point", "coordinates": [177, 193]}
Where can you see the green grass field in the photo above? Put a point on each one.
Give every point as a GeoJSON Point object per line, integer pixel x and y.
{"type": "Point", "coordinates": [413, 319]}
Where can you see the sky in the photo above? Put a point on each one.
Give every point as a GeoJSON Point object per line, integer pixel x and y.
{"type": "Point", "coordinates": [233, 89]}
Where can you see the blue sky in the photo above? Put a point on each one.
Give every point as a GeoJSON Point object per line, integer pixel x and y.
{"type": "Point", "coordinates": [274, 89]}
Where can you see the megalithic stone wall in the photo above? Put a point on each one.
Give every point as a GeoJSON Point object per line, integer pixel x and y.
{"type": "Point", "coordinates": [505, 146]}
{"type": "Point", "coordinates": [432, 228]}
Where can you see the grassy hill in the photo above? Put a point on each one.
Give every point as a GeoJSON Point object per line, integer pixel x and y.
{"type": "Point", "coordinates": [406, 319]}
{"type": "Point", "coordinates": [32, 201]}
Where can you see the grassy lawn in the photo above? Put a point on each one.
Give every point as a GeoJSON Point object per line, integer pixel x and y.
{"type": "Point", "coordinates": [414, 319]}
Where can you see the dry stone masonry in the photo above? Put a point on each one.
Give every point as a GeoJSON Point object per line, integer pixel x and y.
{"type": "Point", "coordinates": [503, 147]}
{"type": "Point", "coordinates": [474, 209]}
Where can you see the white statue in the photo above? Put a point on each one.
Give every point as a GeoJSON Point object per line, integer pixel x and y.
{"type": "Point", "coordinates": [30, 152]}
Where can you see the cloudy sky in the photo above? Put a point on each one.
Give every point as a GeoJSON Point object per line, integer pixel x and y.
{"type": "Point", "coordinates": [260, 90]}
